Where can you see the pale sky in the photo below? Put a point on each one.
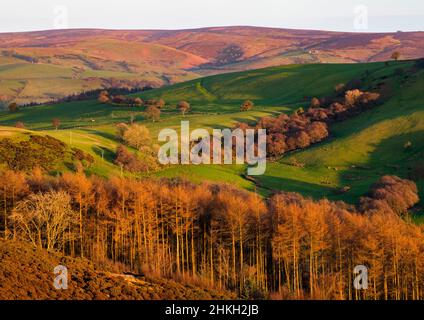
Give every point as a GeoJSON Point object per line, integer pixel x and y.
{"type": "Point", "coordinates": [339, 15]}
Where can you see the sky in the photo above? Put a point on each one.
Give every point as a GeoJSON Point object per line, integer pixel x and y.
{"type": "Point", "coordinates": [337, 15]}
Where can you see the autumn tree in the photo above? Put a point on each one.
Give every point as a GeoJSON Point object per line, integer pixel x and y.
{"type": "Point", "coordinates": [13, 107]}
{"type": "Point", "coordinates": [13, 188]}
{"type": "Point", "coordinates": [396, 55]}
{"type": "Point", "coordinates": [79, 188]}
{"type": "Point", "coordinates": [184, 107]}
{"type": "Point", "coordinates": [247, 105]}
{"type": "Point", "coordinates": [127, 160]}
{"type": "Point", "coordinates": [153, 113]}
{"type": "Point", "coordinates": [20, 125]}
{"type": "Point", "coordinates": [399, 194]}
{"type": "Point", "coordinates": [103, 97]}
{"type": "Point", "coordinates": [120, 130]}
{"type": "Point", "coordinates": [137, 136]}
{"type": "Point", "coordinates": [315, 103]}
{"type": "Point", "coordinates": [138, 102]}
{"type": "Point", "coordinates": [160, 104]}
{"type": "Point", "coordinates": [56, 123]}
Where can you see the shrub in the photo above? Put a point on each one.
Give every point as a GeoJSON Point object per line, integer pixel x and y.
{"type": "Point", "coordinates": [247, 105]}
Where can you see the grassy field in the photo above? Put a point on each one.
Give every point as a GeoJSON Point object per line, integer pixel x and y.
{"type": "Point", "coordinates": [360, 150]}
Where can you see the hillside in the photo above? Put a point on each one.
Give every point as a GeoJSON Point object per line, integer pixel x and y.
{"type": "Point", "coordinates": [45, 65]}
{"type": "Point", "coordinates": [27, 273]}
{"type": "Point", "coordinates": [359, 151]}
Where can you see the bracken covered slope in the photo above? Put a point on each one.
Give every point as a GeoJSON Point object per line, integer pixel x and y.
{"type": "Point", "coordinates": [27, 273]}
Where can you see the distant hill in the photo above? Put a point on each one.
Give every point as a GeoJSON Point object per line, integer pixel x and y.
{"type": "Point", "coordinates": [45, 65]}
{"type": "Point", "coordinates": [28, 273]}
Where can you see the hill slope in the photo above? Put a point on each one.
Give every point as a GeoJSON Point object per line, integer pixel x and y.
{"type": "Point", "coordinates": [27, 273]}
{"type": "Point", "coordinates": [45, 65]}
{"type": "Point", "coordinates": [360, 149]}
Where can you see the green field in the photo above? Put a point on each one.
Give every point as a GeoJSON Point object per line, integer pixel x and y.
{"type": "Point", "coordinates": [359, 151]}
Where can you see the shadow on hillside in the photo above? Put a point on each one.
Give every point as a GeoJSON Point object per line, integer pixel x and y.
{"type": "Point", "coordinates": [103, 134]}
{"type": "Point", "coordinates": [396, 155]}
{"type": "Point", "coordinates": [104, 153]}
{"type": "Point", "coordinates": [273, 184]}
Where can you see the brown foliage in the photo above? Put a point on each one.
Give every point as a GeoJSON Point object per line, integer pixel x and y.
{"type": "Point", "coordinates": [247, 105]}
{"type": "Point", "coordinates": [13, 107]}
{"type": "Point", "coordinates": [301, 129]}
{"type": "Point", "coordinates": [153, 113]}
{"type": "Point", "coordinates": [229, 238]}
{"type": "Point", "coordinates": [184, 107]}
{"type": "Point", "coordinates": [392, 192]}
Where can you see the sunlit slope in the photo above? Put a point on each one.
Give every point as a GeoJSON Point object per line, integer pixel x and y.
{"type": "Point", "coordinates": [270, 86]}
{"type": "Point", "coordinates": [361, 149]}
{"type": "Point", "coordinates": [282, 88]}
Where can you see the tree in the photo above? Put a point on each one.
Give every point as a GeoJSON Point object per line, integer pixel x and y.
{"type": "Point", "coordinates": [20, 125]}
{"type": "Point", "coordinates": [160, 104]}
{"type": "Point", "coordinates": [13, 107]}
{"type": "Point", "coordinates": [103, 97]}
{"type": "Point", "coordinates": [79, 187]}
{"type": "Point", "coordinates": [120, 130]}
{"type": "Point", "coordinates": [340, 88]}
{"type": "Point", "coordinates": [137, 136]}
{"type": "Point", "coordinates": [317, 131]}
{"type": "Point", "coordinates": [13, 188]}
{"type": "Point", "coordinates": [138, 102]}
{"type": "Point", "coordinates": [56, 123]}
{"type": "Point", "coordinates": [119, 99]}
{"type": "Point", "coordinates": [184, 107]}
{"type": "Point", "coordinates": [247, 105]}
{"type": "Point", "coordinates": [127, 160]}
{"type": "Point", "coordinates": [352, 96]}
{"type": "Point", "coordinates": [152, 113]}
{"type": "Point", "coordinates": [398, 194]}
{"type": "Point", "coordinates": [46, 220]}
{"type": "Point", "coordinates": [315, 103]}
{"type": "Point", "coordinates": [396, 55]}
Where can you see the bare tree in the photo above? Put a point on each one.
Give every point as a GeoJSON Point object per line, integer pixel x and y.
{"type": "Point", "coordinates": [47, 220]}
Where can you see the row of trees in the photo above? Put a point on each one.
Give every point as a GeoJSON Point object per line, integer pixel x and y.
{"type": "Point", "coordinates": [301, 129]}
{"type": "Point", "coordinates": [152, 107]}
{"type": "Point", "coordinates": [229, 238]}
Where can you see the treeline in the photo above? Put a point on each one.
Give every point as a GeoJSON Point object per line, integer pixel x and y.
{"type": "Point", "coordinates": [85, 95]}
{"type": "Point", "coordinates": [303, 128]}
{"type": "Point", "coordinates": [284, 247]}
{"type": "Point", "coordinates": [152, 106]}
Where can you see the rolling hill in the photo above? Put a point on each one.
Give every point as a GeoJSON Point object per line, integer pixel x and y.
{"type": "Point", "coordinates": [360, 150]}
{"type": "Point", "coordinates": [47, 65]}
